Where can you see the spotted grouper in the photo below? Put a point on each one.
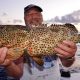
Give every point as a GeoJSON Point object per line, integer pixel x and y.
{"type": "Point", "coordinates": [38, 41]}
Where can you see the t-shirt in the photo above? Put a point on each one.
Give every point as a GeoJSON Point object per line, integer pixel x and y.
{"type": "Point", "coordinates": [49, 71]}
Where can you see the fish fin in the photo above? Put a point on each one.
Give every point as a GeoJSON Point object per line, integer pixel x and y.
{"type": "Point", "coordinates": [38, 60]}
{"type": "Point", "coordinates": [78, 38]}
{"type": "Point", "coordinates": [71, 27]}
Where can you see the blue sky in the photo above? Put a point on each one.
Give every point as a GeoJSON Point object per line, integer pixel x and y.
{"type": "Point", "coordinates": [14, 9]}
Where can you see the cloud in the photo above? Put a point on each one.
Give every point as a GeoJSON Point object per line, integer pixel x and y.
{"type": "Point", "coordinates": [74, 17]}
{"type": "Point", "coordinates": [56, 19]}
{"type": "Point", "coordinates": [8, 21]}
{"type": "Point", "coordinates": [68, 19]}
{"type": "Point", "coordinates": [17, 21]}
{"type": "Point", "coordinates": [4, 14]}
{"type": "Point", "coordinates": [1, 22]}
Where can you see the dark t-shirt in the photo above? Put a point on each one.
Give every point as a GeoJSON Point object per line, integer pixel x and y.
{"type": "Point", "coordinates": [3, 75]}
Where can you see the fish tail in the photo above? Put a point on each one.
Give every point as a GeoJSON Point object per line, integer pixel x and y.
{"type": "Point", "coordinates": [78, 38]}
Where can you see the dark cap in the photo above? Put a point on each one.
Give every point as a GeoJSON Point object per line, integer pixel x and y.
{"type": "Point", "coordinates": [27, 8]}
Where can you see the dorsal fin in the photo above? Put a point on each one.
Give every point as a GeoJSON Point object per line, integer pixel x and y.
{"type": "Point", "coordinates": [71, 26]}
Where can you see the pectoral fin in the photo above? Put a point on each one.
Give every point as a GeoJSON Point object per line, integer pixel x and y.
{"type": "Point", "coordinates": [38, 60]}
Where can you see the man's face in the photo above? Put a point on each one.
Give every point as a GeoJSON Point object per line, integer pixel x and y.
{"type": "Point", "coordinates": [33, 17]}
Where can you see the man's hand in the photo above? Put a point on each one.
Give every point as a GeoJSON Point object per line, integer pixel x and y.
{"type": "Point", "coordinates": [66, 50]}
{"type": "Point", "coordinates": [3, 60]}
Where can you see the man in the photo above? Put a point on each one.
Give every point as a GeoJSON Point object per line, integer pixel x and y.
{"type": "Point", "coordinates": [50, 68]}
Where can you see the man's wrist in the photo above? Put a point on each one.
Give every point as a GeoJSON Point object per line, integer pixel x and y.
{"type": "Point", "coordinates": [70, 58]}
{"type": "Point", "coordinates": [67, 62]}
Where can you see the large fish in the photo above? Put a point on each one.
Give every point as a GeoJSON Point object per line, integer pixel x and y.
{"type": "Point", "coordinates": [38, 41]}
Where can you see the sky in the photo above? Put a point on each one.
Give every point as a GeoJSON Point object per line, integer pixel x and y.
{"type": "Point", "coordinates": [13, 10]}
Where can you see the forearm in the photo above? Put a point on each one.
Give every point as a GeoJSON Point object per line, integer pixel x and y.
{"type": "Point", "coordinates": [67, 62]}
{"type": "Point", "coordinates": [14, 70]}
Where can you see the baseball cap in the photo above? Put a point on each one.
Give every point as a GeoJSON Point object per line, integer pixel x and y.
{"type": "Point", "coordinates": [32, 6]}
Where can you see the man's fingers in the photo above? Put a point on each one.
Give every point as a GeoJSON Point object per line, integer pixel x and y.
{"type": "Point", "coordinates": [3, 52]}
{"type": "Point", "coordinates": [61, 52]}
{"type": "Point", "coordinates": [66, 48]}
{"type": "Point", "coordinates": [7, 62]}
{"type": "Point", "coordinates": [70, 43]}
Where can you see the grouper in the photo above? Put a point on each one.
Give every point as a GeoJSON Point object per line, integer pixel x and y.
{"type": "Point", "coordinates": [38, 41]}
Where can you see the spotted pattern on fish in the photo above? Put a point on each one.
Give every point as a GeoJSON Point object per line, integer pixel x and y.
{"type": "Point", "coordinates": [45, 38]}
{"type": "Point", "coordinates": [15, 38]}
{"type": "Point", "coordinates": [39, 41]}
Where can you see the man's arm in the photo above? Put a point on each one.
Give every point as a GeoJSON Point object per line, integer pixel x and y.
{"type": "Point", "coordinates": [67, 62]}
{"type": "Point", "coordinates": [13, 69]}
